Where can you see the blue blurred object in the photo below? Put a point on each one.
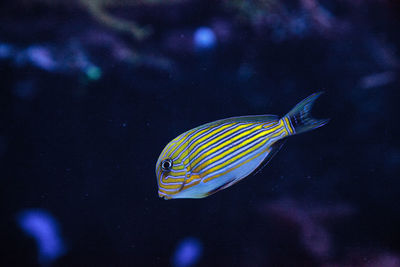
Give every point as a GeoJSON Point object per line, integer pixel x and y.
{"type": "Point", "coordinates": [5, 51]}
{"type": "Point", "coordinates": [44, 229]}
{"type": "Point", "coordinates": [187, 253]}
{"type": "Point", "coordinates": [93, 72]}
{"type": "Point", "coordinates": [41, 57]}
{"type": "Point", "coordinates": [204, 38]}
{"type": "Point", "coordinates": [25, 89]}
{"type": "Point", "coordinates": [67, 58]}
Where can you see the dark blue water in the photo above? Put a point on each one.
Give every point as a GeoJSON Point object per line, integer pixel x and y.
{"type": "Point", "coordinates": [86, 108]}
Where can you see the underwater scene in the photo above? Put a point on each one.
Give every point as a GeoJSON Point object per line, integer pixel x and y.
{"type": "Point", "coordinates": [190, 133]}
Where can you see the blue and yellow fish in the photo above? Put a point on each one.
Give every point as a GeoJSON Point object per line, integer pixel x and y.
{"type": "Point", "coordinates": [216, 155]}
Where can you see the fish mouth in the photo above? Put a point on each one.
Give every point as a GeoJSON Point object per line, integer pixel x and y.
{"type": "Point", "coordinates": [164, 196]}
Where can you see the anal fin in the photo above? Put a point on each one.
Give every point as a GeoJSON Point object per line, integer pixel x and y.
{"type": "Point", "coordinates": [275, 148]}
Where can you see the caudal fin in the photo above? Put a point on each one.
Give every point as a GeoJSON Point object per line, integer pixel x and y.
{"type": "Point", "coordinates": [300, 117]}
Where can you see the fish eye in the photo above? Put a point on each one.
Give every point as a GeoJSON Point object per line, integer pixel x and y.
{"type": "Point", "coordinates": [166, 164]}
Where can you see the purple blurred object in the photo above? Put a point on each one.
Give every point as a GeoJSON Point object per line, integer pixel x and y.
{"type": "Point", "coordinates": [377, 79]}
{"type": "Point", "coordinates": [44, 229]}
{"type": "Point", "coordinates": [367, 258]}
{"type": "Point", "coordinates": [309, 220]}
{"type": "Point", "coordinates": [187, 253]}
{"type": "Point", "coordinates": [223, 30]}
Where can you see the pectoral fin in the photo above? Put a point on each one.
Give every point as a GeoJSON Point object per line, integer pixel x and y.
{"type": "Point", "coordinates": [223, 186]}
{"type": "Point", "coordinates": [272, 150]}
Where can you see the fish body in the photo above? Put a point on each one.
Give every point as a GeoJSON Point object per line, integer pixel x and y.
{"type": "Point", "coordinates": [216, 155]}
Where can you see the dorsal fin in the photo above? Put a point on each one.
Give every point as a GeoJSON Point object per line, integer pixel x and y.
{"type": "Point", "coordinates": [250, 118]}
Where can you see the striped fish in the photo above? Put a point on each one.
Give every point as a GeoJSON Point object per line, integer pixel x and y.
{"type": "Point", "coordinates": [216, 155]}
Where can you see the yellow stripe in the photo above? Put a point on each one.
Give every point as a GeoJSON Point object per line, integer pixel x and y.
{"type": "Point", "coordinates": [170, 186]}
{"type": "Point", "coordinates": [174, 186]}
{"type": "Point", "coordinates": [288, 125]}
{"type": "Point", "coordinates": [184, 155]}
{"type": "Point", "coordinates": [200, 149]}
{"type": "Point", "coordinates": [189, 186]}
{"type": "Point", "coordinates": [176, 168]}
{"type": "Point", "coordinates": [235, 167]}
{"type": "Point", "coordinates": [175, 174]}
{"type": "Point", "coordinates": [184, 140]}
{"type": "Point", "coordinates": [263, 133]}
{"type": "Point", "coordinates": [184, 146]}
{"type": "Point", "coordinates": [269, 124]}
{"type": "Point", "coordinates": [175, 142]}
{"type": "Point", "coordinates": [209, 135]}
{"type": "Point", "coordinates": [164, 175]}
{"type": "Point", "coordinates": [244, 153]}
{"type": "Point", "coordinates": [170, 145]}
{"type": "Point", "coordinates": [167, 192]}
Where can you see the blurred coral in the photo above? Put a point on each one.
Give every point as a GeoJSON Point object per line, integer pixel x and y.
{"type": "Point", "coordinates": [311, 220]}
{"type": "Point", "coordinates": [367, 258]}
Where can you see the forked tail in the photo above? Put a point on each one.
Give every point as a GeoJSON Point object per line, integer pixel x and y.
{"type": "Point", "coordinates": [300, 117]}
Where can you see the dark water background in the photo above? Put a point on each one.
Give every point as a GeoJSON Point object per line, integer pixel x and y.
{"type": "Point", "coordinates": [87, 108]}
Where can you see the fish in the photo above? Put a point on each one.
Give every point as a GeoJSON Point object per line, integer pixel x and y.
{"type": "Point", "coordinates": [219, 154]}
